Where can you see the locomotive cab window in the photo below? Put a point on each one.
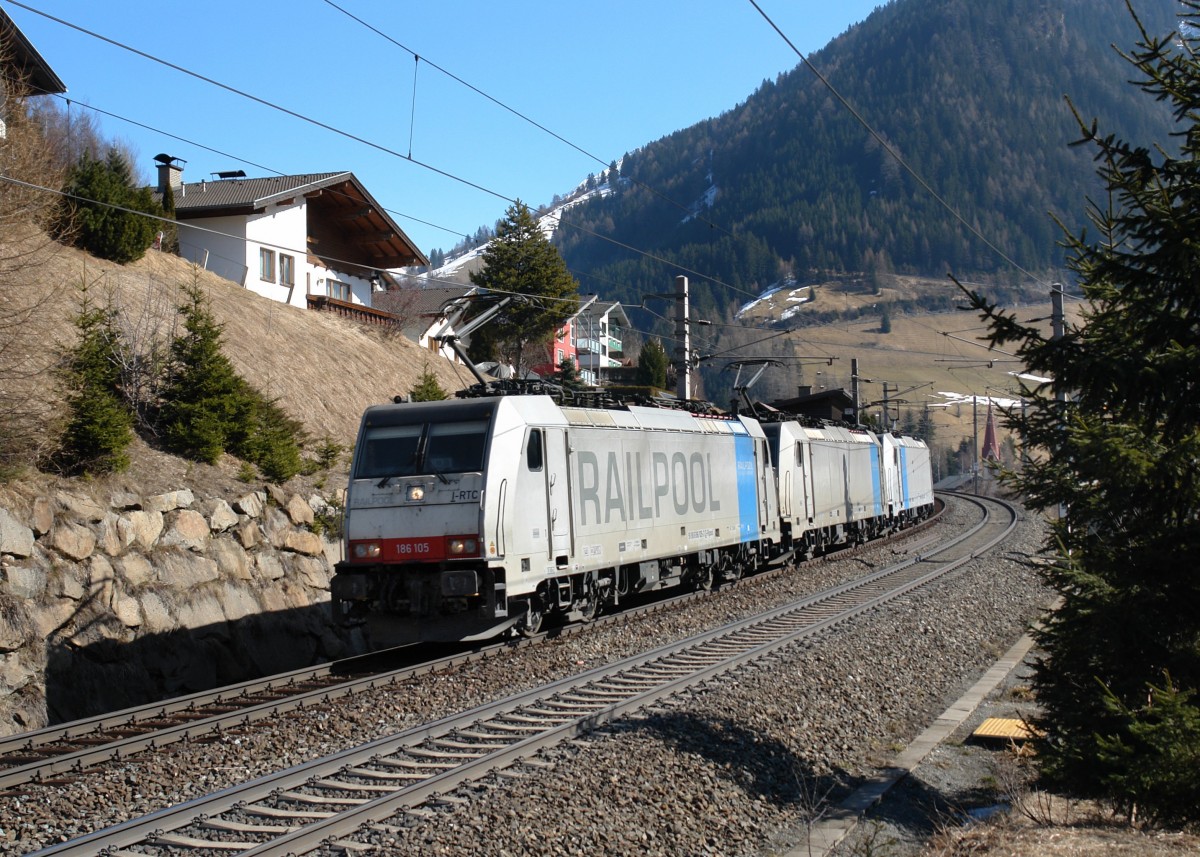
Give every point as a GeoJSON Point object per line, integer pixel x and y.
{"type": "Point", "coordinates": [533, 450]}
{"type": "Point", "coordinates": [455, 447]}
{"type": "Point", "coordinates": [422, 449]}
{"type": "Point", "coordinates": [389, 451]}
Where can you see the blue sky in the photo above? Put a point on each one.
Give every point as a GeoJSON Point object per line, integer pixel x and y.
{"type": "Point", "coordinates": [606, 76]}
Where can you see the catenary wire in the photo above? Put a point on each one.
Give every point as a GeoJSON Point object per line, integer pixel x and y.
{"type": "Point", "coordinates": [525, 118]}
{"type": "Point", "coordinates": [238, 158]}
{"type": "Point", "coordinates": [359, 139]}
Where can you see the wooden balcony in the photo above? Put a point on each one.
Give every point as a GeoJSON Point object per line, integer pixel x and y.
{"type": "Point", "coordinates": [354, 312]}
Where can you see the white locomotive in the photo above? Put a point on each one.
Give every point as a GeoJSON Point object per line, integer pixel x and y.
{"type": "Point", "coordinates": [468, 517]}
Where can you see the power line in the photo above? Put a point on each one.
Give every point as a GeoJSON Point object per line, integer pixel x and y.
{"type": "Point", "coordinates": [350, 136]}
{"type": "Point", "coordinates": [237, 158]}
{"type": "Point", "coordinates": [522, 116]}
{"type": "Point", "coordinates": [161, 219]}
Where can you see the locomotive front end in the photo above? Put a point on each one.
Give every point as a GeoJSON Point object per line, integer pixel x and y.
{"type": "Point", "coordinates": [415, 563]}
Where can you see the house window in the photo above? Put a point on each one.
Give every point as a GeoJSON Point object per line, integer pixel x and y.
{"type": "Point", "coordinates": [560, 357]}
{"type": "Point", "coordinates": [287, 270]}
{"type": "Point", "coordinates": [266, 264]}
{"type": "Point", "coordinates": [338, 290]}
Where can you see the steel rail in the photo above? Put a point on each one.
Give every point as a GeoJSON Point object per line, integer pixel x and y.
{"type": "Point", "coordinates": [46, 754]}
{"type": "Point", "coordinates": [446, 753]}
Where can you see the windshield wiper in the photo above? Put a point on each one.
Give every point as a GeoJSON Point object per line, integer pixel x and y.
{"type": "Point", "coordinates": [438, 473]}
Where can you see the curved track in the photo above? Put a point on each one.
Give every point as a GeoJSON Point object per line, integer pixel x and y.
{"type": "Point", "coordinates": [57, 753]}
{"type": "Point", "coordinates": [352, 793]}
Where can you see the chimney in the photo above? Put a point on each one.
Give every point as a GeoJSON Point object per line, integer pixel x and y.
{"type": "Point", "coordinates": [170, 172]}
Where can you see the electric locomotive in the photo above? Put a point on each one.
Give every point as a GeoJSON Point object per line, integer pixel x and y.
{"type": "Point", "coordinates": [470, 517]}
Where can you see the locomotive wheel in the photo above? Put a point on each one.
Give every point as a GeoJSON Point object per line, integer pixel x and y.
{"type": "Point", "coordinates": [589, 605]}
{"type": "Point", "coordinates": [729, 569]}
{"type": "Point", "coordinates": [703, 578]}
{"type": "Point", "coordinates": [535, 617]}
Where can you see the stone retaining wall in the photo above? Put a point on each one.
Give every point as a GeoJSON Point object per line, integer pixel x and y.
{"type": "Point", "coordinates": [107, 604]}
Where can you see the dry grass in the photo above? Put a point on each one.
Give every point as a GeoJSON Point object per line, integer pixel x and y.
{"type": "Point", "coordinates": [1074, 830]}
{"type": "Point", "coordinates": [324, 370]}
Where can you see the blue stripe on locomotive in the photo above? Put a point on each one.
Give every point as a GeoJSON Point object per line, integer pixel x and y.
{"type": "Point", "coordinates": [876, 486]}
{"type": "Point", "coordinates": [747, 486]}
{"type": "Point", "coordinates": [906, 498]}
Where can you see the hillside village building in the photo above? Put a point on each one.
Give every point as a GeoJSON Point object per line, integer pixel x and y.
{"type": "Point", "coordinates": [598, 330]}
{"type": "Point", "coordinates": [318, 240]}
{"type": "Point", "coordinates": [590, 340]}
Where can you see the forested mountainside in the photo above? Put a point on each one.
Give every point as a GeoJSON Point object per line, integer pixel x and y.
{"type": "Point", "coordinates": [972, 95]}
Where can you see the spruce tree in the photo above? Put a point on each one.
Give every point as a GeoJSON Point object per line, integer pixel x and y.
{"type": "Point", "coordinates": [520, 260]}
{"type": "Point", "coordinates": [206, 405]}
{"type": "Point", "coordinates": [272, 439]}
{"type": "Point", "coordinates": [567, 376]}
{"type": "Point", "coordinates": [101, 209]}
{"type": "Point", "coordinates": [652, 364]}
{"type": "Point", "coordinates": [208, 409]}
{"type": "Point", "coordinates": [100, 425]}
{"type": "Point", "coordinates": [1117, 437]}
{"type": "Point", "coordinates": [427, 388]}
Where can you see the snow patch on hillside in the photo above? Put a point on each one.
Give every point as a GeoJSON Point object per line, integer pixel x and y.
{"type": "Point", "coordinates": [780, 301]}
{"type": "Point", "coordinates": [548, 222]}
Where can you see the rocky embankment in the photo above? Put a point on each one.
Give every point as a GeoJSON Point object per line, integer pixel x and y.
{"type": "Point", "coordinates": [106, 602]}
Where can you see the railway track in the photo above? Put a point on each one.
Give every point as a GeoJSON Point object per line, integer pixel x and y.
{"type": "Point", "coordinates": [56, 754]}
{"type": "Point", "coordinates": [353, 793]}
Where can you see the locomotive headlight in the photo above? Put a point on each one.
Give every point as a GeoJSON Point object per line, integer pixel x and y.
{"type": "Point", "coordinates": [367, 550]}
{"type": "Point", "coordinates": [416, 493]}
{"type": "Point", "coordinates": [462, 546]}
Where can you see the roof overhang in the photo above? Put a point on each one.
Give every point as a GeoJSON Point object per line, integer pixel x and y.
{"type": "Point", "coordinates": [345, 205]}
{"type": "Point", "coordinates": [347, 229]}
{"type": "Point", "coordinates": [18, 51]}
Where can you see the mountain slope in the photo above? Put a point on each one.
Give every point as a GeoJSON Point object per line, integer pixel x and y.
{"type": "Point", "coordinates": [970, 94]}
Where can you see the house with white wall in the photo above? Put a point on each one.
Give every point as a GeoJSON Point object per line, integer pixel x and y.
{"type": "Point", "coordinates": [316, 240]}
{"type": "Point", "coordinates": [598, 330]}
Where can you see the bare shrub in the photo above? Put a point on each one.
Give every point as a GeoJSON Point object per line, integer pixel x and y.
{"type": "Point", "coordinates": [28, 167]}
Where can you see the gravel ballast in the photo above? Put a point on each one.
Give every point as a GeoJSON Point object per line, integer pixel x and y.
{"type": "Point", "coordinates": [736, 767]}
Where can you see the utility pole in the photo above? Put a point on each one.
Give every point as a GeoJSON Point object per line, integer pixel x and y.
{"type": "Point", "coordinates": [975, 442]}
{"type": "Point", "coordinates": [683, 344]}
{"type": "Point", "coordinates": [854, 379]}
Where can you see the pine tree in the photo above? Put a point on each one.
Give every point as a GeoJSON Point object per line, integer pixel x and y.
{"type": "Point", "coordinates": [170, 241]}
{"type": "Point", "coordinates": [101, 210]}
{"type": "Point", "coordinates": [520, 260]}
{"type": "Point", "coordinates": [206, 407]}
{"type": "Point", "coordinates": [652, 365]}
{"type": "Point", "coordinates": [427, 388]}
{"type": "Point", "coordinates": [272, 441]}
{"type": "Point", "coordinates": [1118, 451]}
{"type": "Point", "coordinates": [567, 376]}
{"type": "Point", "coordinates": [100, 427]}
